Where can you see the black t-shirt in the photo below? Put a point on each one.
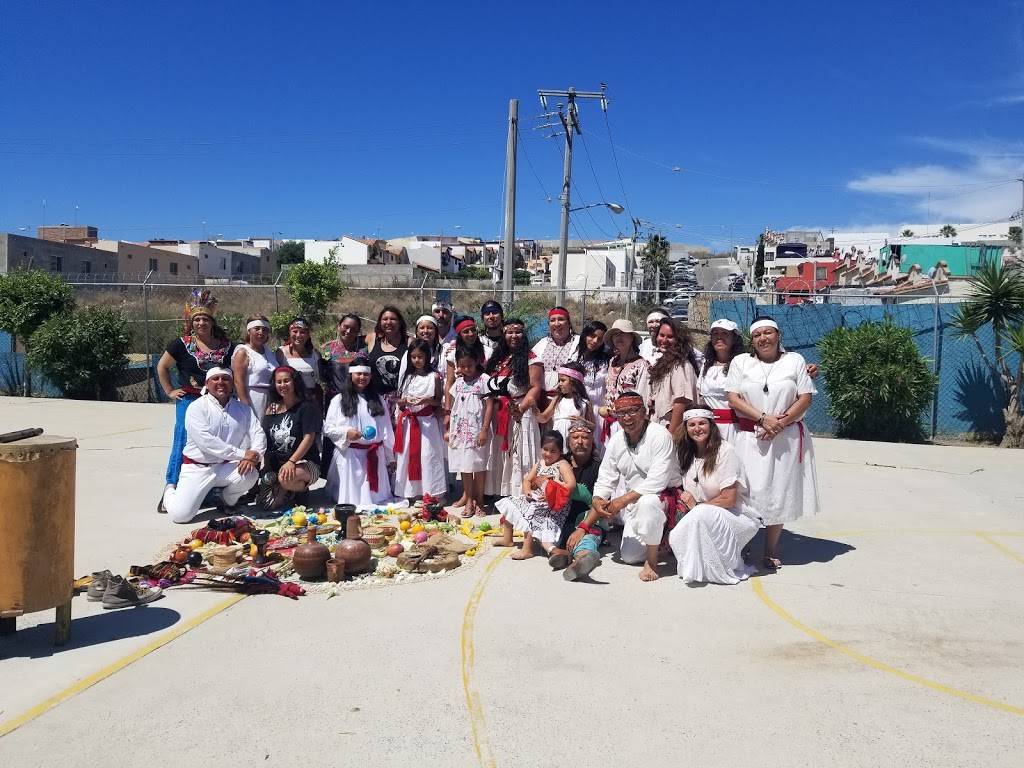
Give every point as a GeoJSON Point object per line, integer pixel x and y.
{"type": "Point", "coordinates": [193, 362]}
{"type": "Point", "coordinates": [384, 366]}
{"type": "Point", "coordinates": [286, 429]}
{"type": "Point", "coordinates": [587, 477]}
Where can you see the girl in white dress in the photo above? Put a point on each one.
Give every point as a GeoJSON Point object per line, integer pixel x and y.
{"type": "Point", "coordinates": [253, 364]}
{"type": "Point", "coordinates": [708, 541]}
{"type": "Point", "coordinates": [419, 444]}
{"type": "Point", "coordinates": [541, 510]}
{"type": "Point", "coordinates": [570, 402]}
{"type": "Point", "coordinates": [724, 345]}
{"type": "Point", "coordinates": [594, 356]}
{"type": "Point", "coordinates": [361, 431]}
{"type": "Point", "coordinates": [770, 390]}
{"type": "Point", "coordinates": [468, 435]}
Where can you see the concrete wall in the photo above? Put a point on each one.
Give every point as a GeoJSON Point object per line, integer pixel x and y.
{"type": "Point", "coordinates": [17, 251]}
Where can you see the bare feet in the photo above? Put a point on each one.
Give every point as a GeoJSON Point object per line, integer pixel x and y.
{"type": "Point", "coordinates": [770, 563]}
{"type": "Point", "coordinates": [526, 552]}
{"type": "Point", "coordinates": [506, 536]}
{"type": "Point", "coordinates": [461, 502]}
{"type": "Point", "coordinates": [647, 573]}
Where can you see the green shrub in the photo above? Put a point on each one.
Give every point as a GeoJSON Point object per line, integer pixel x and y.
{"type": "Point", "coordinates": [83, 353]}
{"type": "Point", "coordinates": [314, 286]}
{"type": "Point", "coordinates": [878, 382]}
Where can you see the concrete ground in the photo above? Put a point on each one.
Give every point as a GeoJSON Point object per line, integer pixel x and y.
{"type": "Point", "coordinates": [891, 637]}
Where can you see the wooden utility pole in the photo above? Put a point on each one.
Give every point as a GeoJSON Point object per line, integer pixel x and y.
{"type": "Point", "coordinates": [508, 263]}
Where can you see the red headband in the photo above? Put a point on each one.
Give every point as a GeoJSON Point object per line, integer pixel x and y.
{"type": "Point", "coordinates": [281, 368]}
{"type": "Point", "coordinates": [629, 401]}
{"type": "Point", "coordinates": [464, 324]}
{"type": "Point", "coordinates": [558, 311]}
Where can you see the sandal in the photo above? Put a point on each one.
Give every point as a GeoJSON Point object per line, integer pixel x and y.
{"type": "Point", "coordinates": [771, 563]}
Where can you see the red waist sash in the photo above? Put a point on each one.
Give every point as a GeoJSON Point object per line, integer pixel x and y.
{"type": "Point", "coordinates": [372, 467]}
{"type": "Point", "coordinates": [415, 438]}
{"type": "Point", "coordinates": [606, 427]}
{"type": "Point", "coordinates": [724, 415]}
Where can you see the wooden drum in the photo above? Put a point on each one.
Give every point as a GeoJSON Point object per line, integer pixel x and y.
{"type": "Point", "coordinates": [37, 529]}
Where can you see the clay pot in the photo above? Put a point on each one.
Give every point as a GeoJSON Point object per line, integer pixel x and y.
{"type": "Point", "coordinates": [352, 550]}
{"type": "Point", "coordinates": [335, 570]}
{"type": "Point", "coordinates": [344, 513]}
{"type": "Point", "coordinates": [310, 558]}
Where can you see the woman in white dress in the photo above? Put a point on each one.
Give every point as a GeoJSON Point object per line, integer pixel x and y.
{"type": "Point", "coordinates": [556, 349]}
{"type": "Point", "coordinates": [594, 356]}
{"type": "Point", "coordinates": [419, 444]}
{"type": "Point", "coordinates": [770, 390]}
{"type": "Point", "coordinates": [708, 541]}
{"type": "Point", "coordinates": [517, 380]}
{"type": "Point", "coordinates": [724, 345]}
{"type": "Point", "coordinates": [253, 365]}
{"type": "Point", "coordinates": [300, 354]}
{"type": "Point", "coordinates": [360, 429]}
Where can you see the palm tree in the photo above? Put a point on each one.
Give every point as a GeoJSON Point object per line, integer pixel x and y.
{"type": "Point", "coordinates": [997, 297]}
{"type": "Point", "coordinates": [654, 257]}
{"type": "Point", "coordinates": [907, 233]}
{"type": "Point", "coordinates": [948, 230]}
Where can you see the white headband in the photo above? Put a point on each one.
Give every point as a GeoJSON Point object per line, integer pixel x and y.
{"type": "Point", "coordinates": [725, 325]}
{"type": "Point", "coordinates": [359, 369]}
{"type": "Point", "coordinates": [656, 316]}
{"type": "Point", "coordinates": [257, 324]}
{"type": "Point", "coordinates": [764, 322]}
{"type": "Point", "coordinates": [219, 372]}
{"type": "Point", "coordinates": [698, 413]}
{"type": "Point", "coordinates": [442, 305]}
{"type": "Point", "coordinates": [427, 319]}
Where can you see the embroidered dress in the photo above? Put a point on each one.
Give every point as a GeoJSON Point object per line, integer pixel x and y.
{"type": "Point", "coordinates": [532, 513]}
{"type": "Point", "coordinates": [464, 455]}
{"type": "Point", "coordinates": [553, 356]}
{"type": "Point", "coordinates": [515, 444]}
{"type": "Point", "coordinates": [631, 377]}
{"type": "Point", "coordinates": [430, 446]}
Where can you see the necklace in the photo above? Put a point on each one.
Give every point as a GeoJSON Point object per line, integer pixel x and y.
{"type": "Point", "coordinates": [767, 373]}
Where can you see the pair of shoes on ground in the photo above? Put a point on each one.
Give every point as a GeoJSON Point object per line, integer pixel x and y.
{"type": "Point", "coordinates": [574, 569]}
{"type": "Point", "coordinates": [118, 592]}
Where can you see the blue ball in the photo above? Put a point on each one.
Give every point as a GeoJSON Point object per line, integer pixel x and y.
{"type": "Point", "coordinates": [369, 432]}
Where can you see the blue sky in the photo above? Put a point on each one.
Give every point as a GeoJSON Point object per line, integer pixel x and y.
{"type": "Point", "coordinates": [316, 119]}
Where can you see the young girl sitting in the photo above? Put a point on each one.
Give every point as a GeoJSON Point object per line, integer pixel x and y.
{"type": "Point", "coordinates": [361, 431]}
{"type": "Point", "coordinates": [570, 402]}
{"type": "Point", "coordinates": [540, 512]}
{"type": "Point", "coordinates": [418, 441]}
{"type": "Point", "coordinates": [469, 428]}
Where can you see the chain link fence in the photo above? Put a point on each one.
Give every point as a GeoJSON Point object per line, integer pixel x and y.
{"type": "Point", "coordinates": [966, 404]}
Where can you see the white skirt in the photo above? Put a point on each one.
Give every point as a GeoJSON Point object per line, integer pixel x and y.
{"type": "Point", "coordinates": [534, 517]}
{"type": "Point", "coordinates": [260, 399]}
{"type": "Point", "coordinates": [782, 481]}
{"type": "Point", "coordinates": [707, 543]}
{"type": "Point", "coordinates": [432, 449]}
{"type": "Point", "coordinates": [523, 453]}
{"type": "Point", "coordinates": [347, 481]}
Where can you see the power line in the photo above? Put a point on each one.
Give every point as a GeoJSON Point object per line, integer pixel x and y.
{"type": "Point", "coordinates": [615, 157]}
{"type": "Point", "coordinates": [597, 181]}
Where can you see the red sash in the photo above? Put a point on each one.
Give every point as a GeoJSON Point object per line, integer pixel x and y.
{"type": "Point", "coordinates": [415, 438]}
{"type": "Point", "coordinates": [747, 425]}
{"type": "Point", "coordinates": [371, 462]}
{"type": "Point", "coordinates": [606, 427]}
{"type": "Point", "coordinates": [724, 415]}
{"type": "Point", "coordinates": [503, 417]}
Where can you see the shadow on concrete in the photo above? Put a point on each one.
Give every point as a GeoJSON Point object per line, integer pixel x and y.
{"type": "Point", "coordinates": [799, 549]}
{"type": "Point", "coordinates": [106, 627]}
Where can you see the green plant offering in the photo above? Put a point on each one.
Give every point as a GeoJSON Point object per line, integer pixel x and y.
{"type": "Point", "coordinates": [878, 382]}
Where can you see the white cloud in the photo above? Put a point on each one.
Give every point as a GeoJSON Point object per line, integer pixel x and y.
{"type": "Point", "coordinates": [978, 186]}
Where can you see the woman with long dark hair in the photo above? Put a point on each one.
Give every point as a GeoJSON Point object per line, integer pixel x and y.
{"type": "Point", "coordinates": [360, 428]}
{"type": "Point", "coordinates": [203, 345]}
{"type": "Point", "coordinates": [387, 344]}
{"type": "Point", "coordinates": [673, 377]}
{"type": "Point", "coordinates": [593, 355]}
{"type": "Point", "coordinates": [724, 344]}
{"type": "Point", "coordinates": [292, 425]}
{"type": "Point", "coordinates": [708, 541]}
{"type": "Point", "coordinates": [517, 380]}
{"type": "Point", "coordinates": [770, 389]}
{"type": "Point", "coordinates": [300, 353]}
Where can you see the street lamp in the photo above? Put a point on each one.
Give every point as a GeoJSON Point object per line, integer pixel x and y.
{"type": "Point", "coordinates": [563, 250]}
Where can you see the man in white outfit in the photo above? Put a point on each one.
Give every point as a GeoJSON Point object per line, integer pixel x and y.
{"type": "Point", "coordinates": [643, 457]}
{"type": "Point", "coordinates": [223, 450]}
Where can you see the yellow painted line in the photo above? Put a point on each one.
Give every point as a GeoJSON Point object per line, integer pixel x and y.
{"type": "Point", "coordinates": [468, 652]}
{"type": "Point", "coordinates": [87, 682]}
{"type": "Point", "coordinates": [881, 666]}
{"type": "Point", "coordinates": [985, 536]}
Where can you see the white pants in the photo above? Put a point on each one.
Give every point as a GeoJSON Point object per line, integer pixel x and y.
{"type": "Point", "coordinates": [643, 524]}
{"type": "Point", "coordinates": [196, 481]}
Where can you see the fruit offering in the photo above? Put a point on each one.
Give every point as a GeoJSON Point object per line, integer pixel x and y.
{"type": "Point", "coordinates": [484, 526]}
{"type": "Point", "coordinates": [395, 550]}
{"type": "Point", "coordinates": [298, 517]}
{"type": "Point", "coordinates": [416, 528]}
{"type": "Point", "coordinates": [405, 525]}
{"type": "Point", "coordinates": [421, 537]}
{"type": "Point", "coordinates": [196, 544]}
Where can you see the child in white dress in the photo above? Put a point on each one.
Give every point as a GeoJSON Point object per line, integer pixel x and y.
{"type": "Point", "coordinates": [419, 444]}
{"type": "Point", "coordinates": [570, 401]}
{"type": "Point", "coordinates": [468, 434]}
{"type": "Point", "coordinates": [541, 510]}
{"type": "Point", "coordinates": [360, 428]}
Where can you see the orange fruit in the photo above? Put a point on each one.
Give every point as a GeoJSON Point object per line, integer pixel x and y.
{"type": "Point", "coordinates": [404, 525]}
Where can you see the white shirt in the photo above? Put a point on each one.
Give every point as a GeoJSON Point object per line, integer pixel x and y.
{"type": "Point", "coordinates": [648, 468]}
{"type": "Point", "coordinates": [566, 353]}
{"type": "Point", "coordinates": [649, 352]}
{"type": "Point", "coordinates": [217, 434]}
{"type": "Point", "coordinates": [260, 365]}
{"type": "Point", "coordinates": [727, 473]}
{"type": "Point", "coordinates": [785, 379]}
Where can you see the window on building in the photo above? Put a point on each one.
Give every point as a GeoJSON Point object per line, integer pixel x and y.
{"type": "Point", "coordinates": [820, 273]}
{"type": "Point", "coordinates": [58, 263]}
{"type": "Point", "coordinates": [223, 262]}
{"type": "Point", "coordinates": [174, 267]}
{"type": "Point", "coordinates": [154, 266]}
{"type": "Point", "coordinates": [87, 267]}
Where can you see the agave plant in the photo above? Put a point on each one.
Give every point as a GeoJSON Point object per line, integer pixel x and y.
{"type": "Point", "coordinates": [997, 297]}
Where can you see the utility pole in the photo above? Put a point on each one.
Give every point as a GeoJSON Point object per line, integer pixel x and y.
{"type": "Point", "coordinates": [569, 118]}
{"type": "Point", "coordinates": [631, 267]}
{"type": "Point", "coordinates": [508, 263]}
